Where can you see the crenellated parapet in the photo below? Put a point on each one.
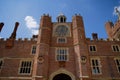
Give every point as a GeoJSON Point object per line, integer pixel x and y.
{"type": "Point", "coordinates": [45, 15]}
{"type": "Point", "coordinates": [2, 39]}
{"type": "Point", "coordinates": [26, 39]}
{"type": "Point", "coordinates": [20, 39]}
{"type": "Point", "coordinates": [102, 39]}
{"type": "Point", "coordinates": [34, 40]}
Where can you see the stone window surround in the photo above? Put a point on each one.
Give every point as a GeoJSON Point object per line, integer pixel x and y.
{"type": "Point", "coordinates": [99, 65]}
{"type": "Point", "coordinates": [20, 66]}
{"type": "Point", "coordinates": [32, 50]}
{"type": "Point", "coordinates": [117, 66]}
{"type": "Point", "coordinates": [92, 48]}
{"type": "Point", "coordinates": [65, 48]}
{"type": "Point", "coordinates": [115, 46]}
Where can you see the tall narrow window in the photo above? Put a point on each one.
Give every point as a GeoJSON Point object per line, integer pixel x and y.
{"type": "Point", "coordinates": [33, 51]}
{"type": "Point", "coordinates": [25, 67]}
{"type": "Point", "coordinates": [92, 48]}
{"type": "Point", "coordinates": [1, 63]}
{"type": "Point", "coordinates": [96, 66]}
{"type": "Point", "coordinates": [62, 54]}
{"type": "Point", "coordinates": [115, 48]}
{"type": "Point", "coordinates": [117, 61]}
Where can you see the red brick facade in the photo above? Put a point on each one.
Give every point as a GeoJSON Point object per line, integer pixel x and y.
{"type": "Point", "coordinates": [84, 59]}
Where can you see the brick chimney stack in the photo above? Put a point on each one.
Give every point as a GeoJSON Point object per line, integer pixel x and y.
{"type": "Point", "coordinates": [13, 35]}
{"type": "Point", "coordinates": [10, 41]}
{"type": "Point", "coordinates": [109, 26]}
{"type": "Point", "coordinates": [1, 26]}
{"type": "Point", "coordinates": [95, 36]}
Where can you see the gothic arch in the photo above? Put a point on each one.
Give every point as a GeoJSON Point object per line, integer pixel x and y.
{"type": "Point", "coordinates": [62, 71]}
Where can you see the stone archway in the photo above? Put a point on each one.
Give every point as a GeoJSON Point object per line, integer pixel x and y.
{"type": "Point", "coordinates": [62, 76]}
{"type": "Point", "coordinates": [62, 73]}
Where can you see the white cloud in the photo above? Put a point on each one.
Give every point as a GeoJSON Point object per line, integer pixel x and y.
{"type": "Point", "coordinates": [31, 24]}
{"type": "Point", "coordinates": [35, 32]}
{"type": "Point", "coordinates": [114, 12]}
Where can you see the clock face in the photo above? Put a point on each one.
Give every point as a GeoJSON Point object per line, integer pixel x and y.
{"type": "Point", "coordinates": [61, 31]}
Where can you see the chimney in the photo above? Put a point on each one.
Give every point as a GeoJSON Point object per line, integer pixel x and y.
{"type": "Point", "coordinates": [10, 41]}
{"type": "Point", "coordinates": [35, 36]}
{"type": "Point", "coordinates": [13, 35]}
{"type": "Point", "coordinates": [94, 36]}
{"type": "Point", "coordinates": [1, 26]}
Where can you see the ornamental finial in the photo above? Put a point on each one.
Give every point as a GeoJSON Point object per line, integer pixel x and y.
{"type": "Point", "coordinates": [118, 13]}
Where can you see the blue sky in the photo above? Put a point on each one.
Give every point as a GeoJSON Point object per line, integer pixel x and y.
{"type": "Point", "coordinates": [28, 12]}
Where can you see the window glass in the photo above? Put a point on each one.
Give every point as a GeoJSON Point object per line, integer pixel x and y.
{"type": "Point", "coordinates": [33, 51]}
{"type": "Point", "coordinates": [117, 61]}
{"type": "Point", "coordinates": [96, 66]}
{"type": "Point", "coordinates": [92, 48]}
{"type": "Point", "coordinates": [62, 54]}
{"type": "Point", "coordinates": [25, 67]}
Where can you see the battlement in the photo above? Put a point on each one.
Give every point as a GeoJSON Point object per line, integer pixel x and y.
{"type": "Point", "coordinates": [77, 15]}
{"type": "Point", "coordinates": [32, 39]}
{"type": "Point", "coordinates": [20, 39]}
{"type": "Point", "coordinates": [102, 39]}
{"type": "Point", "coordinates": [45, 15]}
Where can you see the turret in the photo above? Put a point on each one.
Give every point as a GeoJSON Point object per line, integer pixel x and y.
{"type": "Point", "coordinates": [45, 29]}
{"type": "Point", "coordinates": [80, 46]}
{"type": "Point", "coordinates": [41, 59]}
{"type": "Point", "coordinates": [109, 26]}
{"type": "Point", "coordinates": [61, 18]}
{"type": "Point", "coordinates": [1, 26]}
{"type": "Point", "coordinates": [78, 29]}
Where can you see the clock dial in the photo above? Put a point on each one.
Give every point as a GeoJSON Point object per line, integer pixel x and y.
{"type": "Point", "coordinates": [61, 31]}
